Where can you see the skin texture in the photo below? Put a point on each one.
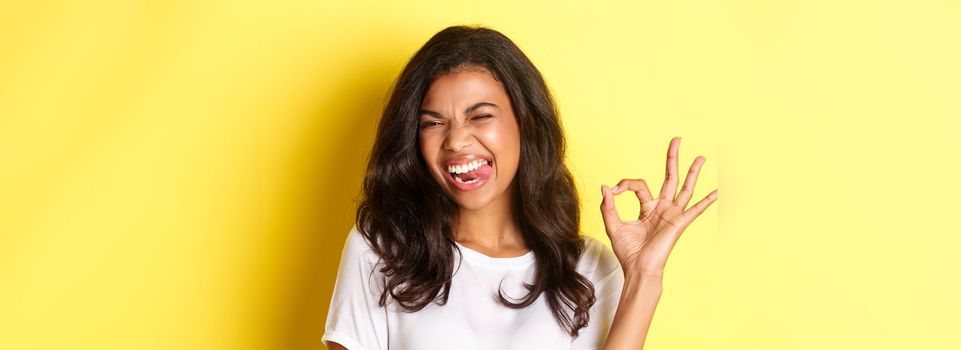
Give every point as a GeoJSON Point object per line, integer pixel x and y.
{"type": "Point", "coordinates": [466, 112]}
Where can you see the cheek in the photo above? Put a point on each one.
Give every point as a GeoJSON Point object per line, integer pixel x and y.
{"type": "Point", "coordinates": [426, 144]}
{"type": "Point", "coordinates": [503, 137]}
{"type": "Point", "coordinates": [428, 150]}
{"type": "Point", "coordinates": [504, 142]}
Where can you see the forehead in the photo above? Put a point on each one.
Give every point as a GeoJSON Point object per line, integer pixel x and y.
{"type": "Point", "coordinates": [462, 87]}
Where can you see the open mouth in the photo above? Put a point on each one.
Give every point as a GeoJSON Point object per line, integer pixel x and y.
{"type": "Point", "coordinates": [470, 175]}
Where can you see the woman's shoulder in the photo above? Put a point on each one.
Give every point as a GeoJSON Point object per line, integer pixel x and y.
{"type": "Point", "coordinates": [356, 247]}
{"type": "Point", "coordinates": [597, 261]}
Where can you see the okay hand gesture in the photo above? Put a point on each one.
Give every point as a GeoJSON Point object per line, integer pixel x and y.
{"type": "Point", "coordinates": [642, 246]}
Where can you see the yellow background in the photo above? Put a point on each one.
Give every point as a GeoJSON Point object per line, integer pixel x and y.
{"type": "Point", "coordinates": [182, 174]}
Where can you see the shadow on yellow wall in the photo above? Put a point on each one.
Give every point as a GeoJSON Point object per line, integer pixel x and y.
{"type": "Point", "coordinates": [332, 174]}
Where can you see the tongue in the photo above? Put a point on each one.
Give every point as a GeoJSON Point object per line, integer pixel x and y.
{"type": "Point", "coordinates": [483, 171]}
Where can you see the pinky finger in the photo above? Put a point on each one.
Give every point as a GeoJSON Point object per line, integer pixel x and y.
{"type": "Point", "coordinates": [701, 206]}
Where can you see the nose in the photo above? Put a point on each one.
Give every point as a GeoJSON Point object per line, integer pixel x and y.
{"type": "Point", "coordinates": [458, 138]}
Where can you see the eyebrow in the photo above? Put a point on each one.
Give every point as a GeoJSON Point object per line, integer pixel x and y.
{"type": "Point", "coordinates": [466, 111]}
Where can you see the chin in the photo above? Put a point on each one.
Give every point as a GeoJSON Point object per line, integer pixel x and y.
{"type": "Point", "coordinates": [477, 199]}
{"type": "Point", "coordinates": [472, 203]}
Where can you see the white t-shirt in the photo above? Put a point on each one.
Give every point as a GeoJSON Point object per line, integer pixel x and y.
{"type": "Point", "coordinates": [472, 317]}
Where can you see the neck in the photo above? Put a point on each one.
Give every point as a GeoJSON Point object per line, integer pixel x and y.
{"type": "Point", "coordinates": [491, 229]}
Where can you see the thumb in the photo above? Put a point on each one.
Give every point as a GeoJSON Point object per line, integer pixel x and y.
{"type": "Point", "coordinates": [608, 211]}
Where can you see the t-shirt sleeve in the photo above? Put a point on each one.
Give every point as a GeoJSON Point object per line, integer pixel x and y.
{"type": "Point", "coordinates": [608, 279]}
{"type": "Point", "coordinates": [355, 318]}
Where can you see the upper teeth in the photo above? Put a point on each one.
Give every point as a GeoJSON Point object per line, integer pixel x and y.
{"type": "Point", "coordinates": [463, 168]}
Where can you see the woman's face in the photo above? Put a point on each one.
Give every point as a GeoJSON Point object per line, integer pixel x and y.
{"type": "Point", "coordinates": [469, 137]}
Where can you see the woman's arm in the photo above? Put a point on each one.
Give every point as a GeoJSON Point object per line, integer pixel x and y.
{"type": "Point", "coordinates": [642, 246]}
{"type": "Point", "coordinates": [335, 346]}
{"type": "Point", "coordinates": [635, 310]}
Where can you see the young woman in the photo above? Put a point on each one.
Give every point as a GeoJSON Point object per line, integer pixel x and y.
{"type": "Point", "coordinates": [468, 233]}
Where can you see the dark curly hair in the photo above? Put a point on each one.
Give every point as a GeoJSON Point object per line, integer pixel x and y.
{"type": "Point", "coordinates": [407, 218]}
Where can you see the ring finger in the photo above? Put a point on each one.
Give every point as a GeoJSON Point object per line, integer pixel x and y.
{"type": "Point", "coordinates": [688, 189]}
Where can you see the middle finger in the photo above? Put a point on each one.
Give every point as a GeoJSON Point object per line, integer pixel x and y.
{"type": "Point", "coordinates": [669, 189]}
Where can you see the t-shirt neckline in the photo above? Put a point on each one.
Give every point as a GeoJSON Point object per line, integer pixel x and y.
{"type": "Point", "coordinates": [475, 256]}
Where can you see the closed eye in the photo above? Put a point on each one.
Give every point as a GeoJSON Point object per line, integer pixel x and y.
{"type": "Point", "coordinates": [482, 116]}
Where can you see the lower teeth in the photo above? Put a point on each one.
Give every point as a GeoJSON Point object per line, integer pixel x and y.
{"type": "Point", "coordinates": [466, 182]}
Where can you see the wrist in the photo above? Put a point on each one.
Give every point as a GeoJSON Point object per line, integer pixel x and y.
{"type": "Point", "coordinates": [644, 274]}
{"type": "Point", "coordinates": [647, 284]}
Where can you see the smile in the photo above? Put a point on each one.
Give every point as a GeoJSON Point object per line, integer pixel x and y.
{"type": "Point", "coordinates": [470, 175]}
{"type": "Point", "coordinates": [468, 167]}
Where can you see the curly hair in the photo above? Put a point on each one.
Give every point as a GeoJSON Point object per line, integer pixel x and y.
{"type": "Point", "coordinates": [407, 218]}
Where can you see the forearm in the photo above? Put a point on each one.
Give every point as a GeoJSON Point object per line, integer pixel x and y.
{"type": "Point", "coordinates": [635, 310]}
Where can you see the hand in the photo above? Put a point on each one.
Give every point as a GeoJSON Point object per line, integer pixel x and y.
{"type": "Point", "coordinates": [642, 246]}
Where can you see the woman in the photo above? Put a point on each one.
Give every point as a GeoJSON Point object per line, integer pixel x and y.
{"type": "Point", "coordinates": [468, 233]}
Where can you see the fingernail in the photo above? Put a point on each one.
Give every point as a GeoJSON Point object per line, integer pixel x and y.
{"type": "Point", "coordinates": [614, 189]}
